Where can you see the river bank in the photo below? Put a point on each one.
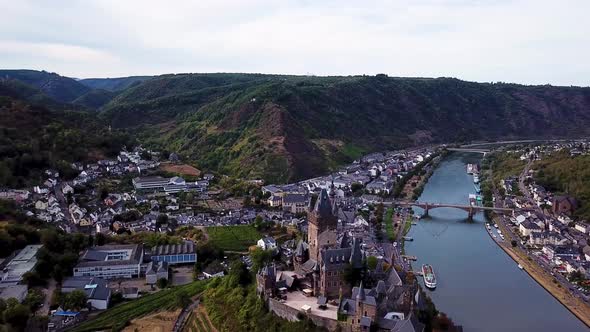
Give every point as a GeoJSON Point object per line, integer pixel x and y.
{"type": "Point", "coordinates": [478, 285]}
{"type": "Point", "coordinates": [572, 303]}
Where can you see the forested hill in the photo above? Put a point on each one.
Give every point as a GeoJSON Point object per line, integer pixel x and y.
{"type": "Point", "coordinates": [283, 128]}
{"type": "Point", "coordinates": [288, 127]}
{"type": "Point", "coordinates": [60, 88]}
{"type": "Point", "coordinates": [113, 84]}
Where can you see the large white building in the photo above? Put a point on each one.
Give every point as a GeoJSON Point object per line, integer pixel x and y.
{"type": "Point", "coordinates": [111, 261]}
{"type": "Point", "coordinates": [168, 185]}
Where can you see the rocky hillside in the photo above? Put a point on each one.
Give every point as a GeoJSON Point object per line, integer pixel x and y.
{"type": "Point", "coordinates": [283, 128]}
{"type": "Point", "coordinates": [286, 127]}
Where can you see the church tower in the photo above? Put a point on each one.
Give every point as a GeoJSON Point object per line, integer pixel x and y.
{"type": "Point", "coordinates": [321, 219]}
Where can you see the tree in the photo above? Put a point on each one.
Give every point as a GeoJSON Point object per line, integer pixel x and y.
{"type": "Point", "coordinates": [75, 300]}
{"type": "Point", "coordinates": [100, 239]}
{"type": "Point", "coordinates": [513, 243]}
{"type": "Point", "coordinates": [104, 193]}
{"type": "Point", "coordinates": [17, 316]}
{"type": "Point", "coordinates": [239, 273]}
{"type": "Point", "coordinates": [34, 299]}
{"type": "Point", "coordinates": [182, 300]}
{"type": "Point", "coordinates": [371, 262]}
{"type": "Point", "coordinates": [260, 258]}
{"type": "Point", "coordinates": [161, 220]}
{"type": "Point", "coordinates": [162, 283]}
{"type": "Point", "coordinates": [33, 279]}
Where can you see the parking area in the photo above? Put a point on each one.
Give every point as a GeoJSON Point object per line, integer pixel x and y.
{"type": "Point", "coordinates": [181, 275]}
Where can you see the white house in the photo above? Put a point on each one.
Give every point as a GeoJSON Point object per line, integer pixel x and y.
{"type": "Point", "coordinates": [583, 228]}
{"type": "Point", "coordinates": [267, 243]}
{"type": "Point", "coordinates": [527, 227]}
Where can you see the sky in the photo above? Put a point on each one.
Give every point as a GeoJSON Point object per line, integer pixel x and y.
{"type": "Point", "coordinates": [528, 42]}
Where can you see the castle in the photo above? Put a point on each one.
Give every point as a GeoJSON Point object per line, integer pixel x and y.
{"type": "Point", "coordinates": [325, 256]}
{"type": "Point", "coordinates": [319, 267]}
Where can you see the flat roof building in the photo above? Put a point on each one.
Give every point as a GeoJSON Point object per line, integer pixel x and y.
{"type": "Point", "coordinates": [185, 253]}
{"type": "Point", "coordinates": [96, 290]}
{"type": "Point", "coordinates": [111, 261]}
{"type": "Point", "coordinates": [24, 261]}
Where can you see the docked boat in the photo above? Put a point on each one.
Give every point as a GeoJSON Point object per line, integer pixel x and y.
{"type": "Point", "coordinates": [475, 178]}
{"type": "Point", "coordinates": [477, 187]}
{"type": "Point", "coordinates": [520, 267]}
{"type": "Point", "coordinates": [469, 168]}
{"type": "Point", "coordinates": [429, 277]}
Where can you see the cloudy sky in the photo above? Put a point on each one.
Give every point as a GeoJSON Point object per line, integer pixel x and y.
{"type": "Point", "coordinates": [532, 42]}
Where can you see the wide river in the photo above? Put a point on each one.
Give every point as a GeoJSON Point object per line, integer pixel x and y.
{"type": "Point", "coordinates": [478, 285]}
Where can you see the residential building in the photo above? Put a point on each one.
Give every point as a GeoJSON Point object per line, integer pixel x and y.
{"type": "Point", "coordinates": [527, 227]}
{"type": "Point", "coordinates": [267, 243]}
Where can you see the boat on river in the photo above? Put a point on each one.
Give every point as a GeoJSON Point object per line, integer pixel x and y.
{"type": "Point", "coordinates": [429, 277]}
{"type": "Point", "coordinates": [475, 178]}
{"type": "Point", "coordinates": [470, 169]}
{"type": "Point", "coordinates": [477, 188]}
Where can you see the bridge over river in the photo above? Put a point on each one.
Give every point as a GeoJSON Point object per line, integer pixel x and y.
{"type": "Point", "coordinates": [470, 209]}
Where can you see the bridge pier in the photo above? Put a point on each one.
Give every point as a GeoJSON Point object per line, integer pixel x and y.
{"type": "Point", "coordinates": [471, 213]}
{"type": "Point", "coordinates": [426, 209]}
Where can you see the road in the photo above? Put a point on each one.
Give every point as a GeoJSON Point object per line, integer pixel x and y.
{"type": "Point", "coordinates": [183, 315]}
{"type": "Point", "coordinates": [507, 227]}
{"type": "Point", "coordinates": [69, 225]}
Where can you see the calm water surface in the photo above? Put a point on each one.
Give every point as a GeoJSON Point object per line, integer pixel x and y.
{"type": "Point", "coordinates": [478, 285]}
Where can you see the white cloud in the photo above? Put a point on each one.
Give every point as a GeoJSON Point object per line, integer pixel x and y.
{"type": "Point", "coordinates": [521, 41]}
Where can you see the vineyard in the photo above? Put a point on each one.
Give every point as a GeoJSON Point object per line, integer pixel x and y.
{"type": "Point", "coordinates": [117, 317]}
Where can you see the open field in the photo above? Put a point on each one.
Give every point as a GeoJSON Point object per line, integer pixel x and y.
{"type": "Point", "coordinates": [181, 169]}
{"type": "Point", "coordinates": [233, 238]}
{"type": "Point", "coordinates": [121, 314]}
{"type": "Point", "coordinates": [158, 322]}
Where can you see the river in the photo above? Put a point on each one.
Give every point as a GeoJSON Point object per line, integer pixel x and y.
{"type": "Point", "coordinates": [478, 285]}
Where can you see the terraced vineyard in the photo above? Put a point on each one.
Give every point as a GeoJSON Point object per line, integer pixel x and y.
{"type": "Point", "coordinates": [118, 316]}
{"type": "Point", "coordinates": [198, 322]}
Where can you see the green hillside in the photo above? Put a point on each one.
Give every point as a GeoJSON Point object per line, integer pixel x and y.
{"type": "Point", "coordinates": [283, 128]}
{"type": "Point", "coordinates": [113, 84]}
{"type": "Point", "coordinates": [287, 127]}
{"type": "Point", "coordinates": [60, 88]}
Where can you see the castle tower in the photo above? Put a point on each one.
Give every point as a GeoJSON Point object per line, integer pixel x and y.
{"type": "Point", "coordinates": [322, 218]}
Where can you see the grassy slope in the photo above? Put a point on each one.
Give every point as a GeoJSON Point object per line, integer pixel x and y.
{"type": "Point", "coordinates": [234, 238]}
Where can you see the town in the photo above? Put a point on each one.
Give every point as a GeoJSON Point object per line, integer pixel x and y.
{"type": "Point", "coordinates": [335, 243]}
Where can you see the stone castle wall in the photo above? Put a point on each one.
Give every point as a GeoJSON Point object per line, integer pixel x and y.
{"type": "Point", "coordinates": [284, 311]}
